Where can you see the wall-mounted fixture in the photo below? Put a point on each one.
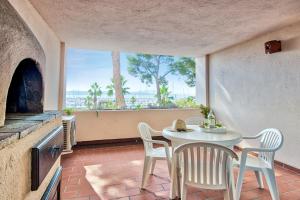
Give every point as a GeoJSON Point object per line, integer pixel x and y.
{"type": "Point", "coordinates": [272, 46]}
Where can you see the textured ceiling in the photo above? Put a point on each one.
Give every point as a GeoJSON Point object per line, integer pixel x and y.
{"type": "Point", "coordinates": [176, 27]}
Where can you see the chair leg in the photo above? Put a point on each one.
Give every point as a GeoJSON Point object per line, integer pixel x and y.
{"type": "Point", "coordinates": [226, 195]}
{"type": "Point", "coordinates": [169, 163]}
{"type": "Point", "coordinates": [271, 181]}
{"type": "Point", "coordinates": [231, 190]}
{"type": "Point", "coordinates": [174, 180]}
{"type": "Point", "coordinates": [183, 191]}
{"type": "Point", "coordinates": [147, 161]}
{"type": "Point", "coordinates": [153, 161]}
{"type": "Point", "coordinates": [259, 179]}
{"type": "Point", "coordinates": [240, 181]}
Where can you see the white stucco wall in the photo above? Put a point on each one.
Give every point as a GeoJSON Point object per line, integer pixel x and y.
{"type": "Point", "coordinates": [202, 80]}
{"type": "Point", "coordinates": [250, 90]}
{"type": "Point", "coordinates": [51, 45]}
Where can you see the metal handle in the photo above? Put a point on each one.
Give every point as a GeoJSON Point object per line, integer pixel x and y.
{"type": "Point", "coordinates": [54, 150]}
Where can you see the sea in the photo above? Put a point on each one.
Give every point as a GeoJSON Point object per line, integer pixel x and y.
{"type": "Point", "coordinates": [76, 99]}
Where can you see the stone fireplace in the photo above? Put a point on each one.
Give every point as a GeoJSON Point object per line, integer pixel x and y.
{"type": "Point", "coordinates": [23, 122]}
{"type": "Point", "coordinates": [22, 63]}
{"type": "Point", "coordinates": [25, 94]}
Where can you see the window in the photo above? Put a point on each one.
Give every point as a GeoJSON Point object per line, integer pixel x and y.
{"type": "Point", "coordinates": [118, 80]}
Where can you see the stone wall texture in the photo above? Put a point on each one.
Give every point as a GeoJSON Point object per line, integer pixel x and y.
{"type": "Point", "coordinates": [17, 42]}
{"type": "Point", "coordinates": [15, 166]}
{"type": "Point", "coordinates": [251, 91]}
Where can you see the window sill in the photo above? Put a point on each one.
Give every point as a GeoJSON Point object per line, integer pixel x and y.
{"type": "Point", "coordinates": [137, 110]}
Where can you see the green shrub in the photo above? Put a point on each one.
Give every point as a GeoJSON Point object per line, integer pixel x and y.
{"type": "Point", "coordinates": [188, 102]}
{"type": "Point", "coordinates": [109, 105]}
{"type": "Point", "coordinates": [204, 110]}
{"type": "Point", "coordinates": [68, 111]}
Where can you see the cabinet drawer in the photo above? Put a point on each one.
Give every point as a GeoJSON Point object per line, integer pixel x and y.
{"type": "Point", "coordinates": [44, 154]}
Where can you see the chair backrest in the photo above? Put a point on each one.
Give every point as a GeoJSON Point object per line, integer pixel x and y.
{"type": "Point", "coordinates": [194, 120]}
{"type": "Point", "coordinates": [205, 164]}
{"type": "Point", "coordinates": [144, 130]}
{"type": "Point", "coordinates": [273, 139]}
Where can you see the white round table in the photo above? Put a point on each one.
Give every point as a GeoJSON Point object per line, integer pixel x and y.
{"type": "Point", "coordinates": [228, 139]}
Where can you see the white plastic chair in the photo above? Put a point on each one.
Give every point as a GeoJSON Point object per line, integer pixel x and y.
{"type": "Point", "coordinates": [152, 154]}
{"type": "Point", "coordinates": [206, 166]}
{"type": "Point", "coordinates": [194, 120]}
{"type": "Point", "coordinates": [271, 141]}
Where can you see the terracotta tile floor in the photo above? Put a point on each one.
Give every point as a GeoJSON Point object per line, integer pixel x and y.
{"type": "Point", "coordinates": [115, 173]}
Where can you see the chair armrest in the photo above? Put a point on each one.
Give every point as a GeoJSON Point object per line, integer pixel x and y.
{"type": "Point", "coordinates": [165, 144]}
{"type": "Point", "coordinates": [157, 142]}
{"type": "Point", "coordinates": [249, 137]}
{"type": "Point", "coordinates": [247, 150]}
{"type": "Point", "coordinates": [254, 137]}
{"type": "Point", "coordinates": [155, 131]}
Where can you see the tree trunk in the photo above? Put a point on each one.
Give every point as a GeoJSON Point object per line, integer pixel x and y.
{"type": "Point", "coordinates": [95, 101]}
{"type": "Point", "coordinates": [158, 96]}
{"type": "Point", "coordinates": [117, 79]}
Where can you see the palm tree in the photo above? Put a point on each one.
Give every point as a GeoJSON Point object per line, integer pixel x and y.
{"type": "Point", "coordinates": [111, 90]}
{"type": "Point", "coordinates": [165, 95]}
{"type": "Point", "coordinates": [88, 102]}
{"type": "Point", "coordinates": [94, 93]}
{"type": "Point", "coordinates": [117, 82]}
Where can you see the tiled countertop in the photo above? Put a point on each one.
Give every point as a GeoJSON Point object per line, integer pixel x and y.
{"type": "Point", "coordinates": [18, 125]}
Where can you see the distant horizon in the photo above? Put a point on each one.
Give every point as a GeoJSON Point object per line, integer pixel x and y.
{"type": "Point", "coordinates": [138, 91]}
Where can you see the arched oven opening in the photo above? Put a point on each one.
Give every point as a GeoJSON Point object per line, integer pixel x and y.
{"type": "Point", "coordinates": [25, 94]}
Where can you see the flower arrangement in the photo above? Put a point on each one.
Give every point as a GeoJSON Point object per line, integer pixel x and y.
{"type": "Point", "coordinates": [204, 110]}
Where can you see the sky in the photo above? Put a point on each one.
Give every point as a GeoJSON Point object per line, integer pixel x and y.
{"type": "Point", "coordinates": [85, 67]}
